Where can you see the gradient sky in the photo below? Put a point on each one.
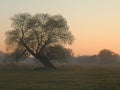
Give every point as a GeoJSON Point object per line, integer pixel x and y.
{"type": "Point", "coordinates": [94, 23]}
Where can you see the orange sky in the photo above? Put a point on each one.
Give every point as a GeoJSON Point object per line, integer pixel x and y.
{"type": "Point", "coordinates": [94, 23]}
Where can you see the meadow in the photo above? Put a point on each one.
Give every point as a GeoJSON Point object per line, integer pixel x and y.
{"type": "Point", "coordinates": [64, 78]}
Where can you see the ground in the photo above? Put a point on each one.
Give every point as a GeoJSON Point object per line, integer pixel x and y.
{"type": "Point", "coordinates": [75, 78]}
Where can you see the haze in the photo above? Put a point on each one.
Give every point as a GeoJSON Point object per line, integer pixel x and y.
{"type": "Point", "coordinates": [94, 23]}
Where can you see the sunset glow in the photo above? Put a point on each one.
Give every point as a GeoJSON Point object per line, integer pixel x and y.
{"type": "Point", "coordinates": [94, 23]}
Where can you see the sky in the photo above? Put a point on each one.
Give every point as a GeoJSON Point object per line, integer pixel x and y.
{"type": "Point", "coordinates": [94, 23]}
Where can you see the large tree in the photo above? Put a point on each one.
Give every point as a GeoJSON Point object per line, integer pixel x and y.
{"type": "Point", "coordinates": [33, 34]}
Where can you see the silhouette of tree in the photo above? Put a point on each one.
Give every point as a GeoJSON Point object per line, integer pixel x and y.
{"type": "Point", "coordinates": [107, 56]}
{"type": "Point", "coordinates": [58, 52]}
{"type": "Point", "coordinates": [33, 34]}
{"type": "Point", "coordinates": [1, 56]}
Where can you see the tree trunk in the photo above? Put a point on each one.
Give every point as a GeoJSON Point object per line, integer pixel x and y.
{"type": "Point", "coordinates": [46, 62]}
{"type": "Point", "coordinates": [40, 56]}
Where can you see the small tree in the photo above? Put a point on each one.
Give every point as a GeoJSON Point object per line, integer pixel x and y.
{"type": "Point", "coordinates": [107, 56]}
{"type": "Point", "coordinates": [1, 56]}
{"type": "Point", "coordinates": [58, 53]}
{"type": "Point", "coordinates": [15, 56]}
{"type": "Point", "coordinates": [33, 34]}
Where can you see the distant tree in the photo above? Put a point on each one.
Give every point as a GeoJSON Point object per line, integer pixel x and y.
{"type": "Point", "coordinates": [1, 56]}
{"type": "Point", "coordinates": [107, 56]}
{"type": "Point", "coordinates": [58, 52]}
{"type": "Point", "coordinates": [15, 56]}
{"type": "Point", "coordinates": [33, 34]}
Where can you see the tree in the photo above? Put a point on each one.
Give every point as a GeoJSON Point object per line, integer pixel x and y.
{"type": "Point", "coordinates": [1, 56]}
{"type": "Point", "coordinates": [15, 56]}
{"type": "Point", "coordinates": [58, 52]}
{"type": "Point", "coordinates": [106, 56]}
{"type": "Point", "coordinates": [33, 34]}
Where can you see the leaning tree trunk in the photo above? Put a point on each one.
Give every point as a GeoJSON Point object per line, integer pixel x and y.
{"type": "Point", "coordinates": [40, 56]}
{"type": "Point", "coordinates": [45, 61]}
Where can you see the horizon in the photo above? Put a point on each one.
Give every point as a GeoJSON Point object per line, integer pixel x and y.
{"type": "Point", "coordinates": [95, 24]}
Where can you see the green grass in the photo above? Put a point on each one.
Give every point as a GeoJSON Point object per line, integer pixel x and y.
{"type": "Point", "coordinates": [94, 78]}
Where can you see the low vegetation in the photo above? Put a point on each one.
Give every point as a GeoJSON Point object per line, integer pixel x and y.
{"type": "Point", "coordinates": [66, 78]}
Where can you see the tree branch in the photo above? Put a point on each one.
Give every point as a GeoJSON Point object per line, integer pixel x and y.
{"type": "Point", "coordinates": [49, 35]}
{"type": "Point", "coordinates": [27, 47]}
{"type": "Point", "coordinates": [24, 44]}
{"type": "Point", "coordinates": [38, 40]}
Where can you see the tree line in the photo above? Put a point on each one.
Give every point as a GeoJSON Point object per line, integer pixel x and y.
{"type": "Point", "coordinates": [104, 56]}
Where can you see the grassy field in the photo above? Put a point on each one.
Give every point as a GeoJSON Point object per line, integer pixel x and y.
{"type": "Point", "coordinates": [78, 78]}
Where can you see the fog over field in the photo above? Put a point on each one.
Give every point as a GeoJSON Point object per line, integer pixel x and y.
{"type": "Point", "coordinates": [111, 59]}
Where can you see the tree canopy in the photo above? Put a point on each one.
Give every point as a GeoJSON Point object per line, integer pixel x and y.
{"type": "Point", "coordinates": [107, 56]}
{"type": "Point", "coordinates": [59, 53]}
{"type": "Point", "coordinates": [32, 34]}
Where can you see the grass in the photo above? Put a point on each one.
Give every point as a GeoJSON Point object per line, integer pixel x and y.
{"type": "Point", "coordinates": [76, 78]}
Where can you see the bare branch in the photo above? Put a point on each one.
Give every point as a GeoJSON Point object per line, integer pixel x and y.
{"type": "Point", "coordinates": [27, 47]}
{"type": "Point", "coordinates": [46, 42]}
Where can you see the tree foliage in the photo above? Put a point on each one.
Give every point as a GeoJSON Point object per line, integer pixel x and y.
{"type": "Point", "coordinates": [33, 34]}
{"type": "Point", "coordinates": [107, 56]}
{"type": "Point", "coordinates": [59, 53]}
